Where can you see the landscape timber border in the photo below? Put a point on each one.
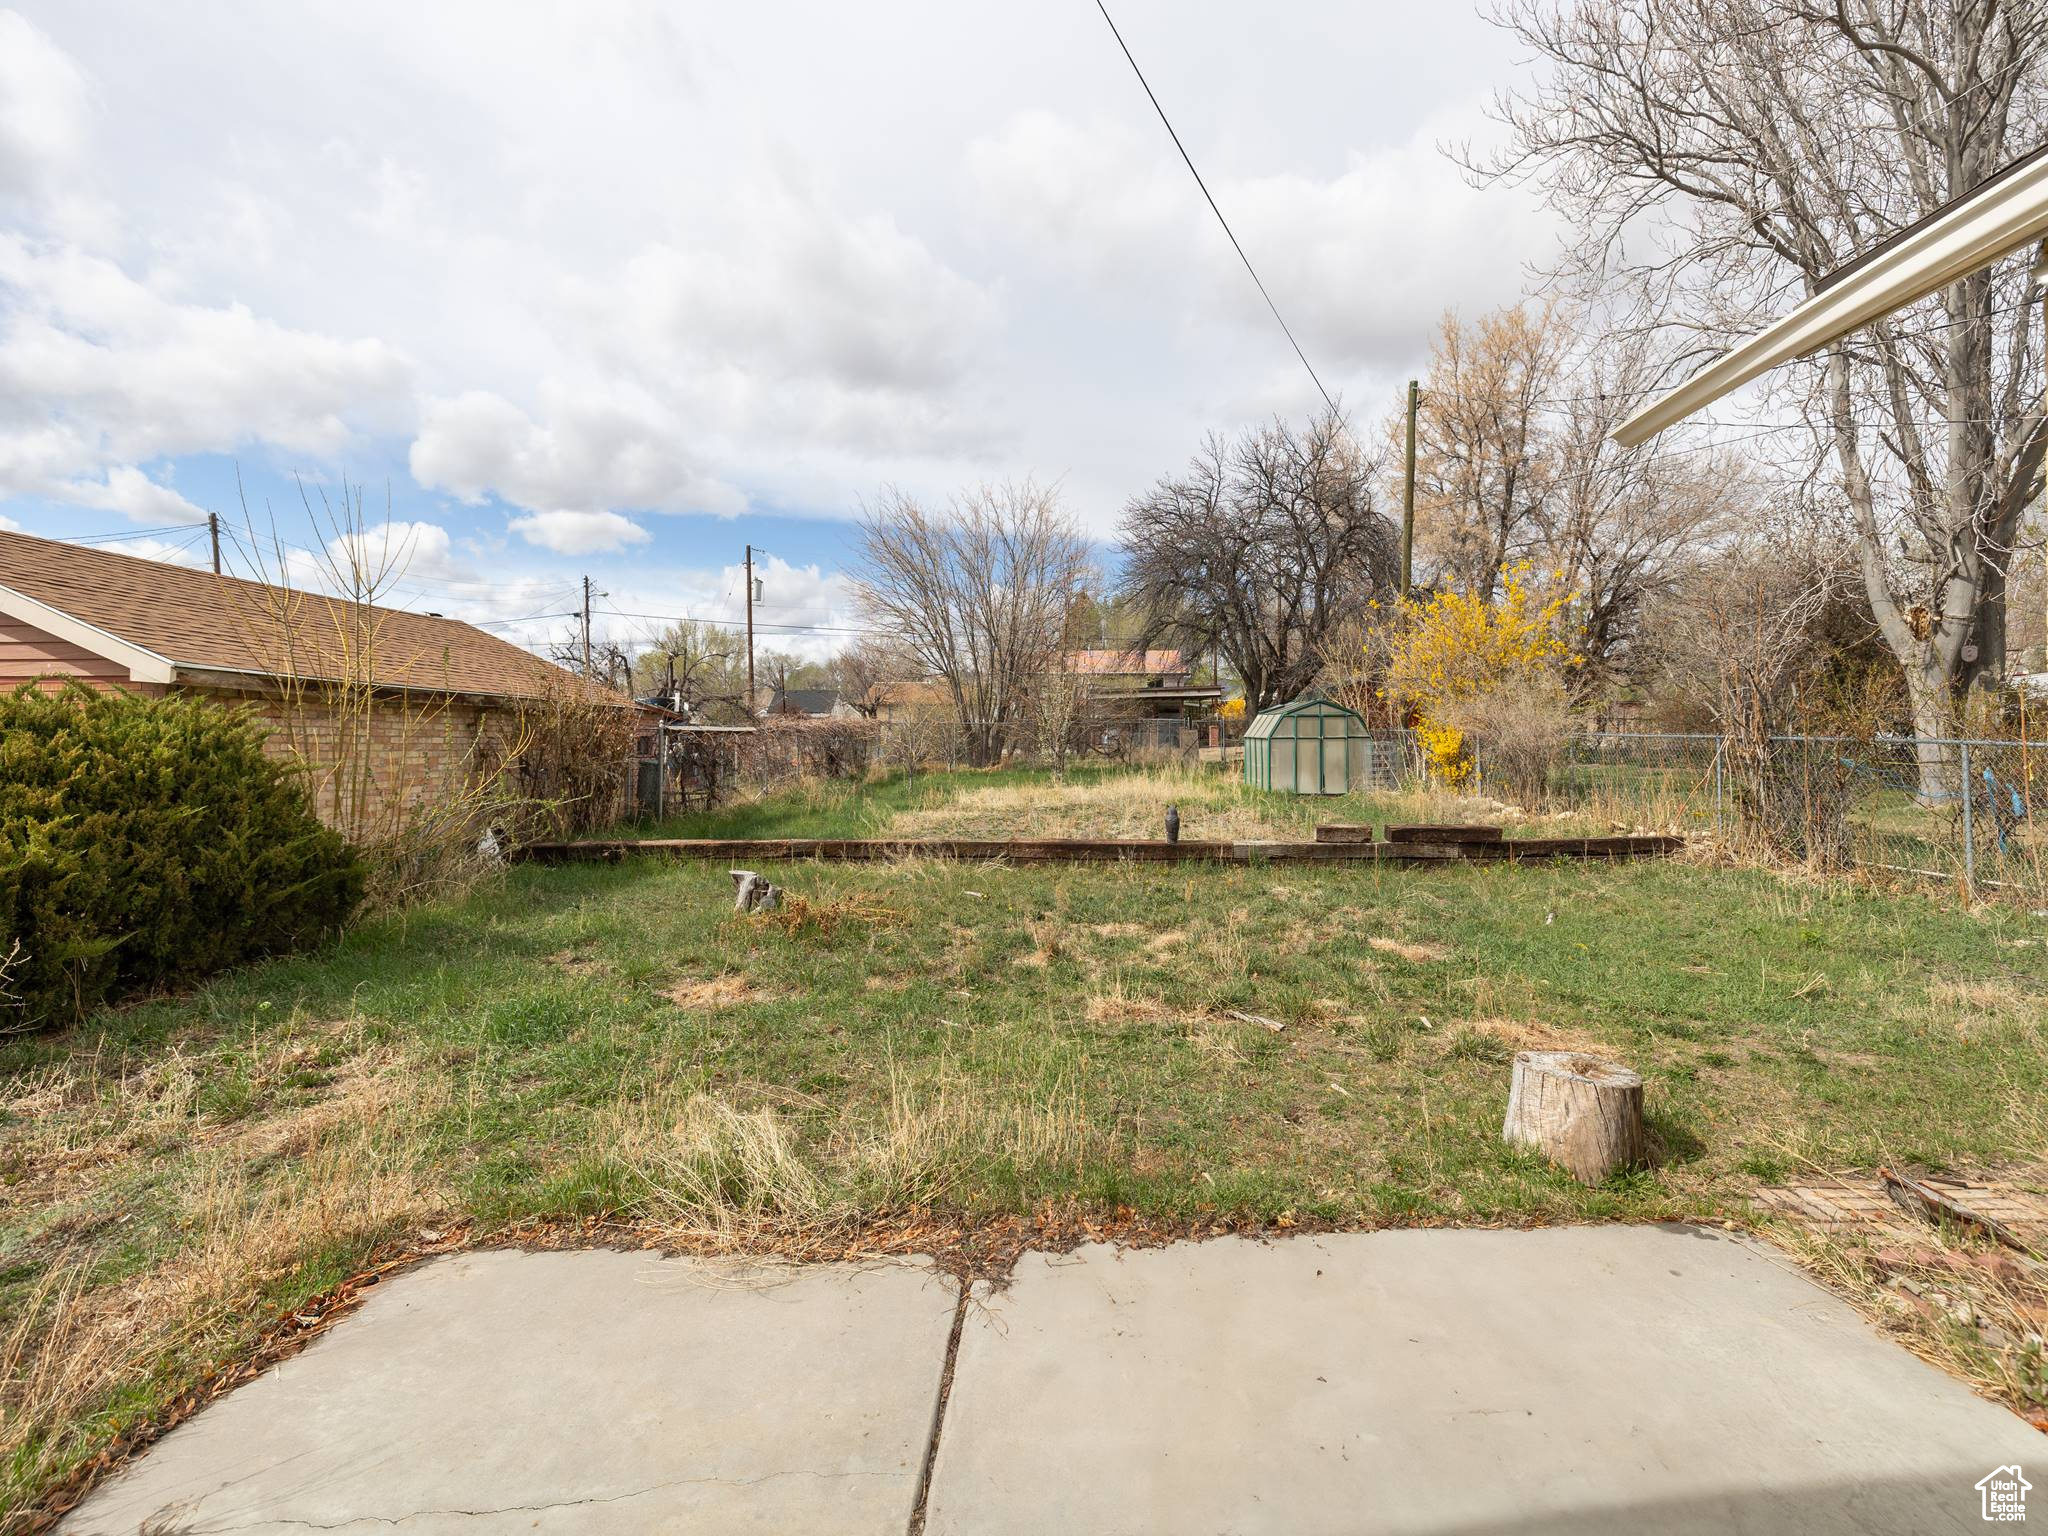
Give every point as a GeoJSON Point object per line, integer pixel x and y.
{"type": "Point", "coordinates": [1031, 850]}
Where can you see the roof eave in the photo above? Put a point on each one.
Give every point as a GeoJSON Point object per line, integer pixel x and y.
{"type": "Point", "coordinates": [241, 680]}
{"type": "Point", "coordinates": [143, 664]}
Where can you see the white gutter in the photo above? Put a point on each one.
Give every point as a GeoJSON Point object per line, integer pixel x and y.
{"type": "Point", "coordinates": [1997, 219]}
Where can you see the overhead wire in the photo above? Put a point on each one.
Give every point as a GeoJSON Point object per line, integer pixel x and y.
{"type": "Point", "coordinates": [1211, 200]}
{"type": "Point", "coordinates": [131, 535]}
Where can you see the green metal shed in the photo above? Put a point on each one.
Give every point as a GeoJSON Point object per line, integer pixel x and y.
{"type": "Point", "coordinates": [1308, 747]}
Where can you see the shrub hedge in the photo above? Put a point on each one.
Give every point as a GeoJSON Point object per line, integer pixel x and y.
{"type": "Point", "coordinates": [146, 843]}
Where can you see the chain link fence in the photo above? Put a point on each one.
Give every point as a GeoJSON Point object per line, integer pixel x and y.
{"type": "Point", "coordinates": [1963, 810]}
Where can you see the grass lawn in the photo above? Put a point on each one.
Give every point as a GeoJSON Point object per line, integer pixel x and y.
{"type": "Point", "coordinates": [1284, 1043]}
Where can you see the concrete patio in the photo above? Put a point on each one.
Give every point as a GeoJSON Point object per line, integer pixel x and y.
{"type": "Point", "coordinates": [1583, 1379]}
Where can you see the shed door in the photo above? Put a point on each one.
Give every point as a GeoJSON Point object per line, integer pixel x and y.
{"type": "Point", "coordinates": [1336, 761]}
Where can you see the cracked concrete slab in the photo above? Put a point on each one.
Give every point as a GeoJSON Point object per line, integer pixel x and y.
{"type": "Point", "coordinates": [568, 1393]}
{"type": "Point", "coordinates": [1591, 1380]}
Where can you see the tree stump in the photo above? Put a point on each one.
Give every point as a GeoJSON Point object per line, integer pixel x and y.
{"type": "Point", "coordinates": [753, 894]}
{"type": "Point", "coordinates": [1582, 1113]}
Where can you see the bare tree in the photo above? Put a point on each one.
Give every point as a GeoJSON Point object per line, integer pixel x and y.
{"type": "Point", "coordinates": [694, 667]}
{"type": "Point", "coordinates": [864, 670]}
{"type": "Point", "coordinates": [1721, 157]}
{"type": "Point", "coordinates": [978, 595]}
{"type": "Point", "coordinates": [612, 662]}
{"type": "Point", "coordinates": [1059, 702]}
{"type": "Point", "coordinates": [1749, 631]}
{"type": "Point", "coordinates": [1260, 548]}
{"type": "Point", "coordinates": [1484, 455]}
{"type": "Point", "coordinates": [1620, 527]}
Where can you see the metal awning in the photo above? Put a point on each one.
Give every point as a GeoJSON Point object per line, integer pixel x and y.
{"type": "Point", "coordinates": [1996, 218]}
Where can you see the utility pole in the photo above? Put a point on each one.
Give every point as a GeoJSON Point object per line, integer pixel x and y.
{"type": "Point", "coordinates": [213, 529]}
{"type": "Point", "coordinates": [750, 629]}
{"type": "Point", "coordinates": [586, 626]}
{"type": "Point", "coordinates": [1408, 496]}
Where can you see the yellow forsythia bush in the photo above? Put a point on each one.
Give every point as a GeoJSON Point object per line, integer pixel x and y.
{"type": "Point", "coordinates": [1454, 646]}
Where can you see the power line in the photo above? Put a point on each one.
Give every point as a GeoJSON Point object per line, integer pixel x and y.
{"type": "Point", "coordinates": [1126, 47]}
{"type": "Point", "coordinates": [734, 624]}
{"type": "Point", "coordinates": [138, 533]}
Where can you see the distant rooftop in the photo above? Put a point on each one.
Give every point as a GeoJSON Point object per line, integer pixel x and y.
{"type": "Point", "coordinates": [1135, 663]}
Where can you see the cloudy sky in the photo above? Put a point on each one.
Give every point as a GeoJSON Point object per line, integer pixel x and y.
{"type": "Point", "coordinates": [617, 288]}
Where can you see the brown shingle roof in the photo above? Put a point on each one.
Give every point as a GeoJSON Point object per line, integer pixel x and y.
{"type": "Point", "coordinates": [201, 621]}
{"type": "Point", "coordinates": [1131, 662]}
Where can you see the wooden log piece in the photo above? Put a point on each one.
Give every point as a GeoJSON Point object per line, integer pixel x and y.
{"type": "Point", "coordinates": [1425, 832]}
{"type": "Point", "coordinates": [1582, 1113]}
{"type": "Point", "coordinates": [1345, 832]}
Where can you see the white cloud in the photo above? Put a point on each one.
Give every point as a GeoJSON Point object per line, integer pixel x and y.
{"type": "Point", "coordinates": [1360, 261]}
{"type": "Point", "coordinates": [783, 322]}
{"type": "Point", "coordinates": [391, 560]}
{"type": "Point", "coordinates": [622, 450]}
{"type": "Point", "coordinates": [785, 288]}
{"type": "Point", "coordinates": [133, 494]}
{"type": "Point", "coordinates": [579, 533]}
{"type": "Point", "coordinates": [159, 549]}
{"type": "Point", "coordinates": [405, 550]}
{"type": "Point", "coordinates": [100, 372]}
{"type": "Point", "coordinates": [9, 525]}
{"type": "Point", "coordinates": [1086, 197]}
{"type": "Point", "coordinates": [717, 273]}
{"type": "Point", "coordinates": [43, 102]}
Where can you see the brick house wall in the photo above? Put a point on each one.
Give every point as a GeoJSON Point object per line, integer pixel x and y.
{"type": "Point", "coordinates": [371, 769]}
{"type": "Point", "coordinates": [368, 771]}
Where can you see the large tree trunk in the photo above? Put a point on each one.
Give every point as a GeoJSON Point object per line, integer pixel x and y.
{"type": "Point", "coordinates": [1932, 698]}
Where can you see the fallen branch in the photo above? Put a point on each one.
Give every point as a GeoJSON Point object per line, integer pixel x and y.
{"type": "Point", "coordinates": [1921, 1200]}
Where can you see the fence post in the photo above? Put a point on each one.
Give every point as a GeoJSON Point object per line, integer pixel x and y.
{"type": "Point", "coordinates": [1720, 752]}
{"type": "Point", "coordinates": [1969, 831]}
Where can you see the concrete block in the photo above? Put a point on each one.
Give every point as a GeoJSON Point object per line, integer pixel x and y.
{"type": "Point", "coordinates": [573, 1392]}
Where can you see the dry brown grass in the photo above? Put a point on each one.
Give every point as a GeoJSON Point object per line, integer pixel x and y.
{"type": "Point", "coordinates": [704, 994]}
{"type": "Point", "coordinates": [1534, 1035]}
{"type": "Point", "coordinates": [1116, 806]}
{"type": "Point", "coordinates": [255, 1203]}
{"type": "Point", "coordinates": [1959, 1302]}
{"type": "Point", "coordinates": [1114, 1006]}
{"type": "Point", "coordinates": [703, 1167]}
{"type": "Point", "coordinates": [1416, 954]}
{"type": "Point", "coordinates": [799, 916]}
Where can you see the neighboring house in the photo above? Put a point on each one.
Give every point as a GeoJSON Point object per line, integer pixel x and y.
{"type": "Point", "coordinates": [1142, 685]}
{"type": "Point", "coordinates": [811, 703]}
{"type": "Point", "coordinates": [912, 701]}
{"type": "Point", "coordinates": [412, 702]}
